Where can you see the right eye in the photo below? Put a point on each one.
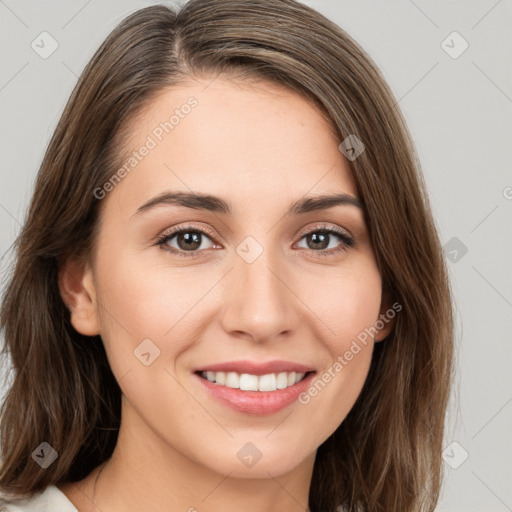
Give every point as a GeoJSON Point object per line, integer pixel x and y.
{"type": "Point", "coordinates": [188, 241]}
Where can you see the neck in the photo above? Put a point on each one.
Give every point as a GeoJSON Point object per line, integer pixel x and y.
{"type": "Point", "coordinates": [146, 473]}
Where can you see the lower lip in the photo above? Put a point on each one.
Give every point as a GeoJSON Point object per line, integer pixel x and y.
{"type": "Point", "coordinates": [256, 402]}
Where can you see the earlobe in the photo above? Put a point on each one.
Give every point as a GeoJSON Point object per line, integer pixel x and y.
{"type": "Point", "coordinates": [77, 290]}
{"type": "Point", "coordinates": [386, 321]}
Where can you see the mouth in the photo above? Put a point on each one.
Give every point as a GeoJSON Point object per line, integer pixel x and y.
{"type": "Point", "coordinates": [251, 382]}
{"type": "Point", "coordinates": [259, 391]}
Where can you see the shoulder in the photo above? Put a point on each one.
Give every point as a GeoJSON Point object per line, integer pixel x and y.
{"type": "Point", "coordinates": [50, 500]}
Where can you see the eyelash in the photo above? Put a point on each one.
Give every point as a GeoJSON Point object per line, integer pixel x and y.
{"type": "Point", "coordinates": [347, 241]}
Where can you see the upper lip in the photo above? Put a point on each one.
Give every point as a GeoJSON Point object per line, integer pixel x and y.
{"type": "Point", "coordinates": [256, 368]}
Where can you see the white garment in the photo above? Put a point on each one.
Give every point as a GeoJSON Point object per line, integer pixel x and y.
{"type": "Point", "coordinates": [52, 499]}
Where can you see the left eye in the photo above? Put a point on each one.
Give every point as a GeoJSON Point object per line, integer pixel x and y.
{"type": "Point", "coordinates": [320, 238]}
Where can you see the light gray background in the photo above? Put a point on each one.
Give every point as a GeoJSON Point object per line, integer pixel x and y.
{"type": "Point", "coordinates": [460, 114]}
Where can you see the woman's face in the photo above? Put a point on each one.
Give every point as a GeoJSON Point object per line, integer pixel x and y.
{"type": "Point", "coordinates": [181, 288]}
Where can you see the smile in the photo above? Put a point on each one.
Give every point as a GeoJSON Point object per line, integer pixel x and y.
{"type": "Point", "coordinates": [260, 395]}
{"type": "Point", "coordinates": [249, 382]}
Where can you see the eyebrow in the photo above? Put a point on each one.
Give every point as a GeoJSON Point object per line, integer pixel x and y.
{"type": "Point", "coordinates": [199, 201]}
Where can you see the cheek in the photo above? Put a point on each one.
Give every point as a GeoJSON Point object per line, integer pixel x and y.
{"type": "Point", "coordinates": [146, 324]}
{"type": "Point", "coordinates": [135, 307]}
{"type": "Point", "coordinates": [350, 309]}
{"type": "Point", "coordinates": [146, 300]}
{"type": "Point", "coordinates": [345, 302]}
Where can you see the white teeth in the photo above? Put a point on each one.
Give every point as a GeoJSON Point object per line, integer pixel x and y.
{"type": "Point", "coordinates": [249, 382]}
{"type": "Point", "coordinates": [267, 382]}
{"type": "Point", "coordinates": [232, 380]}
{"type": "Point", "coordinates": [282, 380]}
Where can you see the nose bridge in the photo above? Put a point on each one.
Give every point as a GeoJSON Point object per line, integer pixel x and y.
{"type": "Point", "coordinates": [257, 300]}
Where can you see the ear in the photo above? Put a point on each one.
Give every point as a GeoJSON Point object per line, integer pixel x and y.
{"type": "Point", "coordinates": [77, 290]}
{"type": "Point", "coordinates": [386, 321]}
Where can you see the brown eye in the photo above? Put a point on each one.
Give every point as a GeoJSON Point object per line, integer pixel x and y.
{"type": "Point", "coordinates": [185, 240]}
{"type": "Point", "coordinates": [319, 240]}
{"type": "Point", "coordinates": [326, 241]}
{"type": "Point", "coordinates": [188, 240]}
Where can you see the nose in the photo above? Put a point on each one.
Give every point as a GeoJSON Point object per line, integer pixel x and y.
{"type": "Point", "coordinates": [259, 302]}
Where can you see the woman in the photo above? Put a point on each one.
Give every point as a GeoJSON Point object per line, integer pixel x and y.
{"type": "Point", "coordinates": [229, 291]}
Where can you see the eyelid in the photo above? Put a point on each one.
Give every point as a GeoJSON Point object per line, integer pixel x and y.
{"type": "Point", "coordinates": [347, 239]}
{"type": "Point", "coordinates": [322, 226]}
{"type": "Point", "coordinates": [187, 227]}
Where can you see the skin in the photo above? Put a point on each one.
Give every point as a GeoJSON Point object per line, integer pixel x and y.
{"type": "Point", "coordinates": [259, 146]}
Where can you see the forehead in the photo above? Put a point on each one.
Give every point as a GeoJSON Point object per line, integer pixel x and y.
{"type": "Point", "coordinates": [232, 138]}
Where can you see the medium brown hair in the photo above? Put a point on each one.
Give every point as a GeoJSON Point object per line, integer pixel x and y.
{"type": "Point", "coordinates": [386, 454]}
